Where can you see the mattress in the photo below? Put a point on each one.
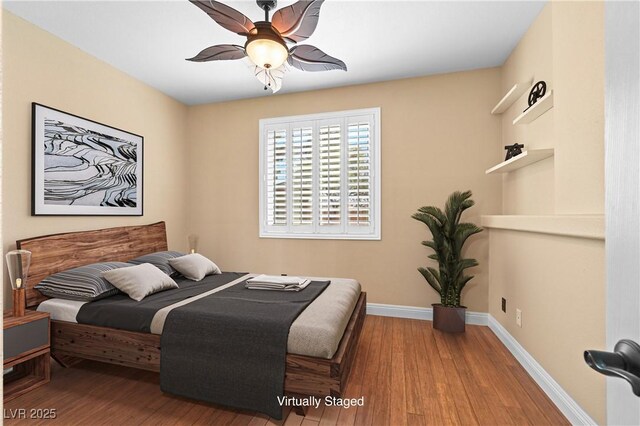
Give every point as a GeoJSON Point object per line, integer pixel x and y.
{"type": "Point", "coordinates": [316, 332]}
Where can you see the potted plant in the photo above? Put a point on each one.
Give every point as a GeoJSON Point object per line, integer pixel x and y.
{"type": "Point", "coordinates": [449, 235]}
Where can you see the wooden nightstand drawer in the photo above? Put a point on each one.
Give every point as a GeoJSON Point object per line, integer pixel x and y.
{"type": "Point", "coordinates": [26, 337]}
{"type": "Point", "coordinates": [26, 353]}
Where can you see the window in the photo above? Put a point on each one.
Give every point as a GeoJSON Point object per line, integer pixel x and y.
{"type": "Point", "coordinates": [320, 176]}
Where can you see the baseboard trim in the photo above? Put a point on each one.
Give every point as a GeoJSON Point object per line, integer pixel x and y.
{"type": "Point", "coordinates": [567, 405]}
{"type": "Point", "coordinates": [416, 312]}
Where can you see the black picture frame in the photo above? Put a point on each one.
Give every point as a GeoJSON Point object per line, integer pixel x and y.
{"type": "Point", "coordinates": [81, 167]}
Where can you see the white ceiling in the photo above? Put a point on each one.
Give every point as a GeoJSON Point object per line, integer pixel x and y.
{"type": "Point", "coordinates": [378, 40]}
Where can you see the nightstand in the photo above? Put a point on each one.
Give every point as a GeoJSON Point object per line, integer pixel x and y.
{"type": "Point", "coordinates": [26, 351]}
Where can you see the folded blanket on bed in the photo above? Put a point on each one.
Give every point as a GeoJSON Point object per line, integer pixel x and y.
{"type": "Point", "coordinates": [276, 279]}
{"type": "Point", "coordinates": [276, 286]}
{"type": "Point", "coordinates": [276, 282]}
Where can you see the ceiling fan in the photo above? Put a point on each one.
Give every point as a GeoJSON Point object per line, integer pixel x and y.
{"type": "Point", "coordinates": [270, 43]}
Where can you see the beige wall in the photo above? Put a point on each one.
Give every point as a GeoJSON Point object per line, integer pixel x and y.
{"type": "Point", "coordinates": [44, 69]}
{"type": "Point", "coordinates": [561, 47]}
{"type": "Point", "coordinates": [436, 138]}
{"type": "Point", "coordinates": [530, 190]}
{"type": "Point", "coordinates": [578, 70]}
{"type": "Point", "coordinates": [558, 282]}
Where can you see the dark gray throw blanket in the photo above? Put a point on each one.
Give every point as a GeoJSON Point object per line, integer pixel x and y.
{"type": "Point", "coordinates": [230, 347]}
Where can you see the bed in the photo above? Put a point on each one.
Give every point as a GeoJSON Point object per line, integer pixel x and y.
{"type": "Point", "coordinates": [72, 342]}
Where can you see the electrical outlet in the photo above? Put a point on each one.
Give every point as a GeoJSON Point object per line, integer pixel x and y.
{"type": "Point", "coordinates": [519, 317]}
{"type": "Point", "coordinates": [504, 305]}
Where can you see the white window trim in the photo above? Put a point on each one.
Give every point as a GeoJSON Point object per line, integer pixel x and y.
{"type": "Point", "coordinates": [376, 172]}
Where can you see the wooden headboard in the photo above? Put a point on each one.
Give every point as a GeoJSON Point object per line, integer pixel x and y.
{"type": "Point", "coordinates": [58, 252]}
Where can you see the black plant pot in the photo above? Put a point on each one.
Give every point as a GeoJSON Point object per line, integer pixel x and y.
{"type": "Point", "coordinates": [447, 319]}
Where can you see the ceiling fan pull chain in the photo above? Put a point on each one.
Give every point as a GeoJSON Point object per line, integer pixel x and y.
{"type": "Point", "coordinates": [267, 78]}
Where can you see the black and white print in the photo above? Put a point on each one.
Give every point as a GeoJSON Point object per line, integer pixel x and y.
{"type": "Point", "coordinates": [82, 167]}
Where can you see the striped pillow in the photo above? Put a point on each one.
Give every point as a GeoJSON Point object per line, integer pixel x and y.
{"type": "Point", "coordinates": [82, 283]}
{"type": "Point", "coordinates": [160, 260]}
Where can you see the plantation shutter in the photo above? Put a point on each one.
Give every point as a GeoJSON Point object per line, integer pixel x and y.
{"type": "Point", "coordinates": [276, 178]}
{"type": "Point", "coordinates": [302, 182]}
{"type": "Point", "coordinates": [359, 174]}
{"type": "Point", "coordinates": [320, 176]}
{"type": "Point", "coordinates": [330, 162]}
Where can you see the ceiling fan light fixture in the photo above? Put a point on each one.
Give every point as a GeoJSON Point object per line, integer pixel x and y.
{"type": "Point", "coordinates": [265, 47]}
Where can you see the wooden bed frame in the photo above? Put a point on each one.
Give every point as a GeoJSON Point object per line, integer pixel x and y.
{"type": "Point", "coordinates": [71, 343]}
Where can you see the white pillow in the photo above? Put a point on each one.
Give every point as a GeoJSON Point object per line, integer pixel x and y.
{"type": "Point", "coordinates": [194, 266]}
{"type": "Point", "coordinates": [139, 281]}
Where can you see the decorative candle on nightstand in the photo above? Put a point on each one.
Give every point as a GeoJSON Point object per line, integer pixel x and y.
{"type": "Point", "coordinates": [18, 262]}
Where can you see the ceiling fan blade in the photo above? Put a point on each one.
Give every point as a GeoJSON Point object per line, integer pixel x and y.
{"type": "Point", "coordinates": [226, 16]}
{"type": "Point", "coordinates": [310, 58]}
{"type": "Point", "coordinates": [298, 21]}
{"type": "Point", "coordinates": [220, 52]}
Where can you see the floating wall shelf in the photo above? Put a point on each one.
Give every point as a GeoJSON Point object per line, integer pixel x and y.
{"type": "Point", "coordinates": [527, 157]}
{"type": "Point", "coordinates": [512, 95]}
{"type": "Point", "coordinates": [578, 225]}
{"type": "Point", "coordinates": [543, 105]}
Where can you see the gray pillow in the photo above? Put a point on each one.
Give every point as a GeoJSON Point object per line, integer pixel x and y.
{"type": "Point", "coordinates": [194, 266]}
{"type": "Point", "coordinates": [160, 260]}
{"type": "Point", "coordinates": [140, 281]}
{"type": "Point", "coordinates": [83, 283]}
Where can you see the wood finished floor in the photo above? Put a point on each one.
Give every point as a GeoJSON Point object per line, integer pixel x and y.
{"type": "Point", "coordinates": [408, 374]}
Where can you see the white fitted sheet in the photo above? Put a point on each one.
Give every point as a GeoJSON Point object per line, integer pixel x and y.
{"type": "Point", "coordinates": [61, 309]}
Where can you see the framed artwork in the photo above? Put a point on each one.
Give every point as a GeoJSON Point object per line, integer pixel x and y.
{"type": "Point", "coordinates": [83, 168]}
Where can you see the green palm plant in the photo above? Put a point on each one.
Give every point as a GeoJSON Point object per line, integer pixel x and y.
{"type": "Point", "coordinates": [449, 235]}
